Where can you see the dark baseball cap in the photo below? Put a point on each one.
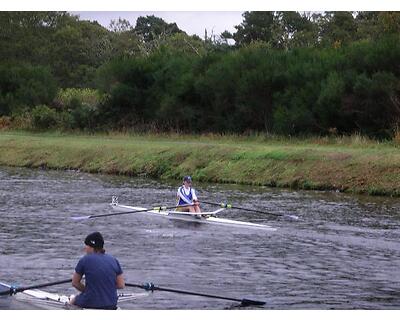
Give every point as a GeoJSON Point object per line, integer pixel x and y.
{"type": "Point", "coordinates": [187, 178]}
{"type": "Point", "coordinates": [95, 240]}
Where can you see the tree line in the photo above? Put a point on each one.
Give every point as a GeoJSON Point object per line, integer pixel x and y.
{"type": "Point", "coordinates": [288, 73]}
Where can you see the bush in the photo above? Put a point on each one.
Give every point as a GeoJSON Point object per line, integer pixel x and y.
{"type": "Point", "coordinates": [81, 115]}
{"type": "Point", "coordinates": [44, 117]}
{"type": "Point", "coordinates": [78, 107]}
{"type": "Point", "coordinates": [21, 121]}
{"type": "Point", "coordinates": [301, 91]}
{"type": "Point", "coordinates": [396, 134]}
{"type": "Point", "coordinates": [328, 105]}
{"type": "Point", "coordinates": [65, 97]}
{"type": "Point", "coordinates": [5, 122]}
{"type": "Point", "coordinates": [375, 108]}
{"type": "Point", "coordinates": [25, 85]}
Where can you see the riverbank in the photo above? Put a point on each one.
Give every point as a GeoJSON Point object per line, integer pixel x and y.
{"type": "Point", "coordinates": [314, 164]}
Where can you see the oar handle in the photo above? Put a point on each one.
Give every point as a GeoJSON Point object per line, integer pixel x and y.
{"type": "Point", "coordinates": [151, 287]}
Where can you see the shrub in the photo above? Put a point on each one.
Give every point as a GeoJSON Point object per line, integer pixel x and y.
{"type": "Point", "coordinates": [5, 122]}
{"type": "Point", "coordinates": [65, 97]}
{"type": "Point", "coordinates": [25, 85]}
{"type": "Point", "coordinates": [396, 135]}
{"type": "Point", "coordinates": [21, 121]}
{"type": "Point", "coordinates": [81, 115]}
{"type": "Point", "coordinates": [43, 117]}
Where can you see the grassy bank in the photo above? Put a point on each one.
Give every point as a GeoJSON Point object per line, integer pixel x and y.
{"type": "Point", "coordinates": [351, 165]}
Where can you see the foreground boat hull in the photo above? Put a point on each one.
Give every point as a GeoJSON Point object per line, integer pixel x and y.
{"type": "Point", "coordinates": [45, 300]}
{"type": "Point", "coordinates": [34, 299]}
{"type": "Point", "coordinates": [206, 217]}
{"type": "Point", "coordinates": [39, 299]}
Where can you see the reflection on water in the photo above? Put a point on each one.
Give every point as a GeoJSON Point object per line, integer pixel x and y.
{"type": "Point", "coordinates": [342, 253]}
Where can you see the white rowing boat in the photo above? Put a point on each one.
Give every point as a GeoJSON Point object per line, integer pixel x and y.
{"type": "Point", "coordinates": [52, 301]}
{"type": "Point", "coordinates": [203, 217]}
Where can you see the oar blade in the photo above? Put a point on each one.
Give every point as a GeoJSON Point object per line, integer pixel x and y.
{"type": "Point", "coordinates": [7, 292]}
{"type": "Point", "coordinates": [248, 302]}
{"type": "Point", "coordinates": [80, 218]}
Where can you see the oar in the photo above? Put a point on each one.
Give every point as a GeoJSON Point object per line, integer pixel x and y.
{"type": "Point", "coordinates": [151, 287]}
{"type": "Point", "coordinates": [14, 290]}
{"type": "Point", "coordinates": [229, 206]}
{"type": "Point", "coordinates": [126, 212]}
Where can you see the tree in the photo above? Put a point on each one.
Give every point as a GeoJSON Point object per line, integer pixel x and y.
{"type": "Point", "coordinates": [375, 106]}
{"type": "Point", "coordinates": [24, 35]}
{"type": "Point", "coordinates": [328, 106]}
{"type": "Point", "coordinates": [280, 29]}
{"type": "Point", "coordinates": [71, 48]}
{"type": "Point", "coordinates": [181, 43]}
{"type": "Point", "coordinates": [389, 22]}
{"type": "Point", "coordinates": [120, 25]}
{"type": "Point", "coordinates": [150, 28]}
{"type": "Point", "coordinates": [257, 25]}
{"type": "Point", "coordinates": [77, 49]}
{"type": "Point", "coordinates": [124, 42]}
{"type": "Point", "coordinates": [292, 29]}
{"type": "Point", "coordinates": [226, 35]}
{"type": "Point", "coordinates": [23, 86]}
{"type": "Point", "coordinates": [367, 25]}
{"type": "Point", "coordinates": [373, 24]}
{"type": "Point", "coordinates": [337, 28]}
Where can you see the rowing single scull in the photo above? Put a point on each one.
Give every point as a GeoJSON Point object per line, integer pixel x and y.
{"type": "Point", "coordinates": [208, 217]}
{"type": "Point", "coordinates": [53, 301]}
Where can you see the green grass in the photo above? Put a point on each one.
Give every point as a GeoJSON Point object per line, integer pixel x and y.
{"type": "Point", "coordinates": [350, 164]}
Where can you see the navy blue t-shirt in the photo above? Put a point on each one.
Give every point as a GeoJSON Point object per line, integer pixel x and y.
{"type": "Point", "coordinates": [101, 271]}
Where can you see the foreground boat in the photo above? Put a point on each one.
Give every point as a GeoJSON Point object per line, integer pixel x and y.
{"type": "Point", "coordinates": [203, 217]}
{"type": "Point", "coordinates": [35, 298]}
{"type": "Point", "coordinates": [51, 301]}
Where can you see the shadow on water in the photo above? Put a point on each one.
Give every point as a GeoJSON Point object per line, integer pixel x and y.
{"type": "Point", "coordinates": [342, 253]}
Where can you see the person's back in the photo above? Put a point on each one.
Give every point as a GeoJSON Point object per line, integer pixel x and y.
{"type": "Point", "coordinates": [100, 272]}
{"type": "Point", "coordinates": [103, 276]}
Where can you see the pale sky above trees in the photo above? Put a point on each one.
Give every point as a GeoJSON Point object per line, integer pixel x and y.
{"type": "Point", "coordinates": [192, 22]}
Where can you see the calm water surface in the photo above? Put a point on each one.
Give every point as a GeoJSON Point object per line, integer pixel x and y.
{"type": "Point", "coordinates": [343, 252]}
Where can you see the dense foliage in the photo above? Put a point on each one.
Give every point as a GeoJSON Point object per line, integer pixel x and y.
{"type": "Point", "coordinates": [288, 73]}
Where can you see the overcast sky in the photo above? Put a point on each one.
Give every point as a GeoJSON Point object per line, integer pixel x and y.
{"type": "Point", "coordinates": [192, 22]}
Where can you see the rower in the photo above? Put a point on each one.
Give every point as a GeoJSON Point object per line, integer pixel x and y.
{"type": "Point", "coordinates": [103, 276]}
{"type": "Point", "coordinates": [186, 196]}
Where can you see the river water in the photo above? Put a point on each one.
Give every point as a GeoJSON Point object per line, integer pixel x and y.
{"type": "Point", "coordinates": [342, 253]}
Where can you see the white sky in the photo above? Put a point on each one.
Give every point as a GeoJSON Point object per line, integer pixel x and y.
{"type": "Point", "coordinates": [203, 5]}
{"type": "Point", "coordinates": [192, 22]}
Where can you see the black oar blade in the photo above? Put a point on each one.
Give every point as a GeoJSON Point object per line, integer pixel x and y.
{"type": "Point", "coordinates": [8, 292]}
{"type": "Point", "coordinates": [151, 287]}
{"type": "Point", "coordinates": [248, 302]}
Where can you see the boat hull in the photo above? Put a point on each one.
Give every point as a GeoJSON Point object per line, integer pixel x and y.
{"type": "Point", "coordinates": [39, 299]}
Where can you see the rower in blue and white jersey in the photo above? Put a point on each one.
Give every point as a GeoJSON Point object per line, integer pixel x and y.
{"type": "Point", "coordinates": [187, 200]}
